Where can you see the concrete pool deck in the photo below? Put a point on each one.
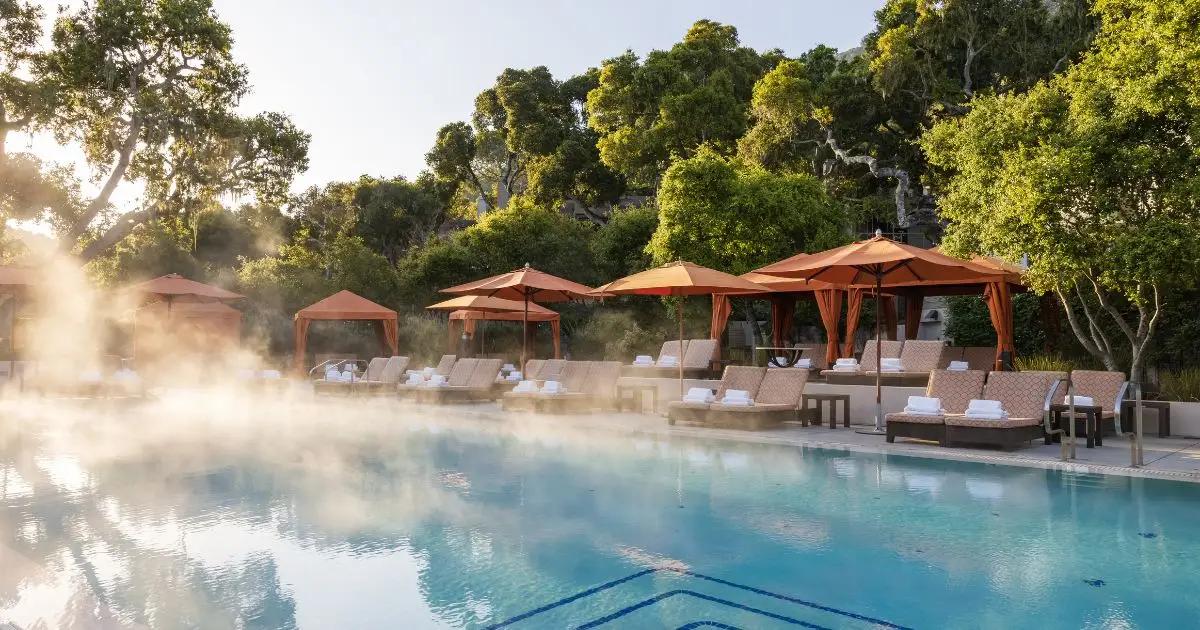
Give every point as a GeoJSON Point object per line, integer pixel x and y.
{"type": "Point", "coordinates": [1166, 458]}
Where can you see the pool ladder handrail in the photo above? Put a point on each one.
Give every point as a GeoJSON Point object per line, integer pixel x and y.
{"type": "Point", "coordinates": [336, 363]}
{"type": "Point", "coordinates": [1065, 436]}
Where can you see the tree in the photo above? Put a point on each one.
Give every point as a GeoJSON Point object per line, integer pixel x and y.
{"type": "Point", "coordinates": [20, 30]}
{"type": "Point", "coordinates": [735, 216]}
{"type": "Point", "coordinates": [149, 89]}
{"type": "Point", "coordinates": [619, 247]}
{"type": "Point", "coordinates": [395, 214]}
{"type": "Point", "coordinates": [1090, 174]}
{"type": "Point", "coordinates": [674, 101]}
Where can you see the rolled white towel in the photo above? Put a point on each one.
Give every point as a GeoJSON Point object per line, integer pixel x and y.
{"type": "Point", "coordinates": [272, 374]}
{"type": "Point", "coordinates": [959, 366]}
{"type": "Point", "coordinates": [668, 361]}
{"type": "Point", "coordinates": [846, 362]}
{"type": "Point", "coordinates": [737, 402]}
{"type": "Point", "coordinates": [428, 372]}
{"type": "Point", "coordinates": [700, 395]}
{"type": "Point", "coordinates": [414, 380]}
{"type": "Point", "coordinates": [979, 414]}
{"type": "Point", "coordinates": [804, 364]}
{"type": "Point", "coordinates": [890, 365]}
{"type": "Point", "coordinates": [525, 387]}
{"type": "Point", "coordinates": [845, 368]}
{"type": "Point", "coordinates": [1080, 401]}
{"type": "Point", "coordinates": [514, 376]}
{"type": "Point", "coordinates": [437, 380]}
{"type": "Point", "coordinates": [126, 374]}
{"type": "Point", "coordinates": [643, 359]}
{"type": "Point", "coordinates": [984, 405]}
{"type": "Point", "coordinates": [552, 387]}
{"type": "Point", "coordinates": [507, 367]}
{"type": "Point", "coordinates": [924, 403]}
{"type": "Point", "coordinates": [736, 394]}
{"type": "Point", "coordinates": [924, 412]}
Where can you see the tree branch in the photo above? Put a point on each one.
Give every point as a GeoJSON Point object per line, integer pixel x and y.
{"type": "Point", "coordinates": [114, 179]}
{"type": "Point", "coordinates": [901, 176]}
{"type": "Point", "coordinates": [115, 234]}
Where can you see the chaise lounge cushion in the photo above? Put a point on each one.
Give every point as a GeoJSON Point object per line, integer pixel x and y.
{"type": "Point", "coordinates": [1008, 423]}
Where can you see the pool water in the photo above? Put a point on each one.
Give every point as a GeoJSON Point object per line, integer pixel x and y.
{"type": "Point", "coordinates": [393, 520]}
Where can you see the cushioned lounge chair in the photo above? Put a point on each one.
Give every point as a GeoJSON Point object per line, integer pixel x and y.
{"type": "Point", "coordinates": [572, 377]}
{"type": "Point", "coordinates": [475, 386]}
{"type": "Point", "coordinates": [869, 362]}
{"type": "Point", "coordinates": [345, 388]}
{"type": "Point", "coordinates": [385, 381]}
{"type": "Point", "coordinates": [740, 377]}
{"type": "Point", "coordinates": [597, 390]}
{"type": "Point", "coordinates": [1025, 396]}
{"type": "Point", "coordinates": [777, 401]}
{"type": "Point", "coordinates": [980, 358]}
{"type": "Point", "coordinates": [955, 389]}
{"type": "Point", "coordinates": [918, 358]}
{"type": "Point", "coordinates": [669, 349]}
{"type": "Point", "coordinates": [1106, 389]}
{"type": "Point", "coordinates": [550, 371]}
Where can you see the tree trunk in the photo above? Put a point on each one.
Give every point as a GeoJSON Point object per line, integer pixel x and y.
{"type": "Point", "coordinates": [748, 312]}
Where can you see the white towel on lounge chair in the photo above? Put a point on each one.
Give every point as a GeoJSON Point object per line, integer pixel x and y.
{"type": "Point", "coordinates": [514, 376]}
{"type": "Point", "coordinates": [804, 364]}
{"type": "Point", "coordinates": [428, 372]}
{"type": "Point", "coordinates": [552, 387]}
{"type": "Point", "coordinates": [272, 374]}
{"type": "Point", "coordinates": [890, 365]}
{"type": "Point", "coordinates": [846, 365]}
{"type": "Point", "coordinates": [437, 380]}
{"type": "Point", "coordinates": [777, 362]}
{"type": "Point", "coordinates": [959, 366]}
{"type": "Point", "coordinates": [699, 395]}
{"type": "Point", "coordinates": [508, 367]}
{"type": "Point", "coordinates": [985, 410]}
{"type": "Point", "coordinates": [414, 379]}
{"type": "Point", "coordinates": [668, 361]}
{"type": "Point", "coordinates": [1080, 401]}
{"type": "Point", "coordinates": [737, 398]}
{"type": "Point", "coordinates": [923, 406]}
{"type": "Point", "coordinates": [525, 387]}
{"type": "Point", "coordinates": [644, 360]}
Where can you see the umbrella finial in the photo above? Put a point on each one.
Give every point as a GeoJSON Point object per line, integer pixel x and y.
{"type": "Point", "coordinates": [878, 233]}
{"type": "Point", "coordinates": [527, 266]}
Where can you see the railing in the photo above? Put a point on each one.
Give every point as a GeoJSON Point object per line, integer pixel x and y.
{"type": "Point", "coordinates": [335, 363]}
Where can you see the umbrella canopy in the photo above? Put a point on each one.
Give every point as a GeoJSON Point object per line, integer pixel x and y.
{"type": "Point", "coordinates": [681, 279]}
{"type": "Point", "coordinates": [882, 262]}
{"type": "Point", "coordinates": [344, 305]}
{"type": "Point", "coordinates": [484, 304]}
{"type": "Point", "coordinates": [174, 285]}
{"type": "Point", "coordinates": [19, 277]}
{"type": "Point", "coordinates": [528, 285]}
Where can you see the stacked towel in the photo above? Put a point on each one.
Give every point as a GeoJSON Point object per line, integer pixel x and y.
{"type": "Point", "coordinates": [272, 374]}
{"type": "Point", "coordinates": [985, 410]}
{"type": "Point", "coordinates": [846, 365]}
{"type": "Point", "coordinates": [804, 364]}
{"type": "Point", "coordinates": [428, 372]}
{"type": "Point", "coordinates": [737, 398]}
{"type": "Point", "coordinates": [699, 395]}
{"type": "Point", "coordinates": [959, 366]}
{"type": "Point", "coordinates": [644, 360]}
{"type": "Point", "coordinates": [890, 365]}
{"type": "Point", "coordinates": [332, 373]}
{"type": "Point", "coordinates": [668, 361]}
{"type": "Point", "coordinates": [515, 375]}
{"type": "Point", "coordinates": [437, 380]}
{"type": "Point", "coordinates": [525, 387]}
{"type": "Point", "coordinates": [922, 406]}
{"type": "Point", "coordinates": [414, 379]}
{"type": "Point", "coordinates": [507, 367]}
{"type": "Point", "coordinates": [1080, 401]}
{"type": "Point", "coordinates": [552, 387]}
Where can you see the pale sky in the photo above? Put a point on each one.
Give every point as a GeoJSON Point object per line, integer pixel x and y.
{"type": "Point", "coordinates": [373, 80]}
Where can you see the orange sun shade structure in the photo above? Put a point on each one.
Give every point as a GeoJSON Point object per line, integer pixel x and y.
{"type": "Point", "coordinates": [527, 285]}
{"type": "Point", "coordinates": [344, 306]}
{"type": "Point", "coordinates": [681, 279]}
{"type": "Point", "coordinates": [173, 285]}
{"type": "Point", "coordinates": [882, 262]}
{"type": "Point", "coordinates": [469, 309]}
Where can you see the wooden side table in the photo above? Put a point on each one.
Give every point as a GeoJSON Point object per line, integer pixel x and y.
{"type": "Point", "coordinates": [1163, 408]}
{"type": "Point", "coordinates": [1093, 421]}
{"type": "Point", "coordinates": [821, 399]}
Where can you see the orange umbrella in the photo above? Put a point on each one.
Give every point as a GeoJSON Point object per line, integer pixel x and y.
{"type": "Point", "coordinates": [680, 279]}
{"type": "Point", "coordinates": [881, 261]}
{"type": "Point", "coordinates": [526, 284]}
{"type": "Point", "coordinates": [173, 285]}
{"type": "Point", "coordinates": [485, 306]}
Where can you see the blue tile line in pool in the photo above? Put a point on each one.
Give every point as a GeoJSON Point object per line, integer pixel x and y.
{"type": "Point", "coordinates": [696, 624]}
{"type": "Point", "coordinates": [707, 624]}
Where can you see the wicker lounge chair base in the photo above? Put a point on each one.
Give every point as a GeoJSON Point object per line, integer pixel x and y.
{"type": "Point", "coordinates": [686, 412]}
{"type": "Point", "coordinates": [1016, 433]}
{"type": "Point", "coordinates": [332, 388]}
{"type": "Point", "coordinates": [569, 403]}
{"type": "Point", "coordinates": [916, 431]}
{"type": "Point", "coordinates": [518, 402]}
{"type": "Point", "coordinates": [750, 418]}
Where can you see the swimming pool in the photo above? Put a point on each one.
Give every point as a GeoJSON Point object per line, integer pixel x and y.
{"type": "Point", "coordinates": [390, 520]}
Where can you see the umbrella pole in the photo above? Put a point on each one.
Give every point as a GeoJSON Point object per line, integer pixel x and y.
{"type": "Point", "coordinates": [878, 428]}
{"type": "Point", "coordinates": [679, 310]}
{"type": "Point", "coordinates": [525, 334]}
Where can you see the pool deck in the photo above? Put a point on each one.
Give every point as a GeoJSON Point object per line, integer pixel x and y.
{"type": "Point", "coordinates": [1166, 458]}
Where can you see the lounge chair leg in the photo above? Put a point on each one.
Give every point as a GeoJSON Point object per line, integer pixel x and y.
{"type": "Point", "coordinates": [891, 439]}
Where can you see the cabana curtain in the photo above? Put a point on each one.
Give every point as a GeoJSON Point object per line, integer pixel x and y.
{"type": "Point", "coordinates": [853, 310]}
{"type": "Point", "coordinates": [829, 302]}
{"type": "Point", "coordinates": [913, 304]}
{"type": "Point", "coordinates": [783, 310]}
{"type": "Point", "coordinates": [721, 309]}
{"type": "Point", "coordinates": [998, 296]}
{"type": "Point", "coordinates": [344, 306]}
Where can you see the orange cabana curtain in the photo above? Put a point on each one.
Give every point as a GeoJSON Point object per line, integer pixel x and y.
{"type": "Point", "coordinates": [829, 302]}
{"type": "Point", "coordinates": [301, 343]}
{"type": "Point", "coordinates": [999, 300]}
{"type": "Point", "coordinates": [891, 323]}
{"type": "Point", "coordinates": [721, 309]}
{"type": "Point", "coordinates": [783, 310]}
{"type": "Point", "coordinates": [853, 310]}
{"type": "Point", "coordinates": [913, 304]}
{"type": "Point", "coordinates": [555, 332]}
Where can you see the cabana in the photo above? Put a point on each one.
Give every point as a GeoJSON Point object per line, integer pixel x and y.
{"type": "Point", "coordinates": [207, 321]}
{"type": "Point", "coordinates": [467, 323]}
{"type": "Point", "coordinates": [344, 306]}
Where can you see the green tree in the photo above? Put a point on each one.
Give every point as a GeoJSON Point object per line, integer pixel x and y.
{"type": "Point", "coordinates": [150, 88]}
{"type": "Point", "coordinates": [20, 100]}
{"type": "Point", "coordinates": [394, 215]}
{"type": "Point", "coordinates": [1091, 176]}
{"type": "Point", "coordinates": [619, 247]}
{"type": "Point", "coordinates": [647, 111]}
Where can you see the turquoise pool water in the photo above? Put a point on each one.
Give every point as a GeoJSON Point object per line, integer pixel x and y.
{"type": "Point", "coordinates": [401, 522]}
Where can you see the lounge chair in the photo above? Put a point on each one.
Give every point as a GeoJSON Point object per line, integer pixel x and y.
{"type": "Point", "coordinates": [662, 364]}
{"type": "Point", "coordinates": [1024, 396]}
{"type": "Point", "coordinates": [868, 363]}
{"type": "Point", "coordinates": [572, 378]}
{"type": "Point", "coordinates": [385, 381]}
{"type": "Point", "coordinates": [470, 380]}
{"type": "Point", "coordinates": [777, 401]}
{"type": "Point", "coordinates": [550, 371]}
{"type": "Point", "coordinates": [954, 389]}
{"type": "Point", "coordinates": [1106, 389]}
{"type": "Point", "coordinates": [736, 377]}
{"type": "Point", "coordinates": [337, 387]}
{"type": "Point", "coordinates": [598, 390]}
{"type": "Point", "coordinates": [917, 358]}
{"type": "Point", "coordinates": [980, 358]}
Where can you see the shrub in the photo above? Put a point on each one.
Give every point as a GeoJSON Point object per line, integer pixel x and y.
{"type": "Point", "coordinates": [1183, 385]}
{"type": "Point", "coordinates": [1043, 363]}
{"type": "Point", "coordinates": [613, 336]}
